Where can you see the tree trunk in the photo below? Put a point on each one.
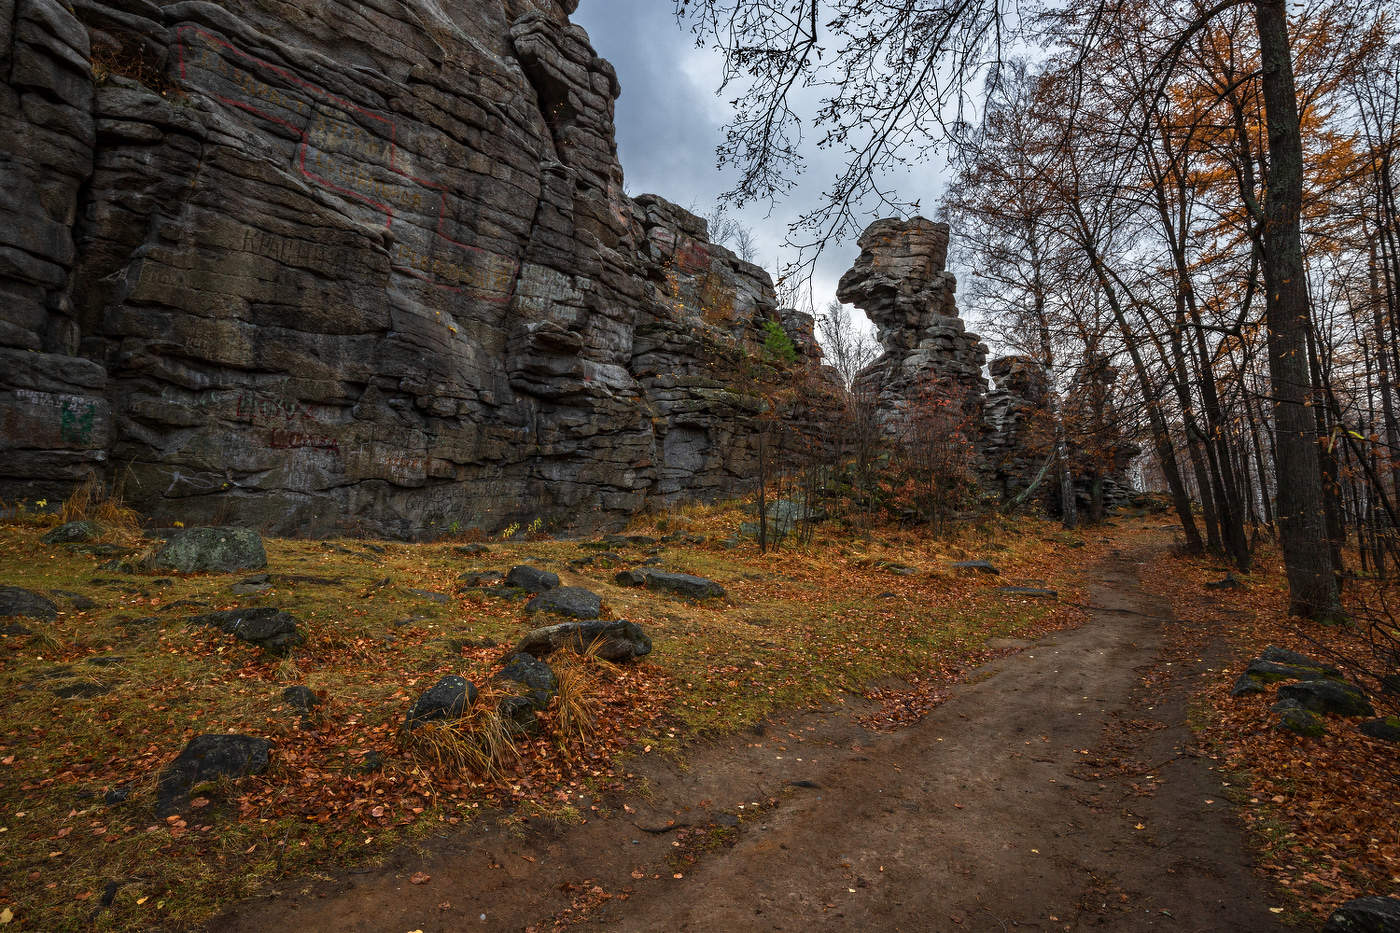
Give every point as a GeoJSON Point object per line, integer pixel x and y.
{"type": "Point", "coordinates": [1312, 585]}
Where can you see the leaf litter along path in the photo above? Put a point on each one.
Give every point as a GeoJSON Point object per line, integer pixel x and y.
{"type": "Point", "coordinates": [1057, 788]}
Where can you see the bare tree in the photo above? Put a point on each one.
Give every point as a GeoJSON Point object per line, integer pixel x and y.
{"type": "Point", "coordinates": [848, 348]}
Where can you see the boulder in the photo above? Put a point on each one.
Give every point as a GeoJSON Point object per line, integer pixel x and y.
{"type": "Point", "coordinates": [978, 566]}
{"type": "Point", "coordinates": [535, 676]}
{"type": "Point", "coordinates": [537, 684]}
{"type": "Point", "coordinates": [1284, 656]}
{"type": "Point", "coordinates": [682, 584]}
{"type": "Point", "coordinates": [613, 641]}
{"type": "Point", "coordinates": [1386, 728]}
{"type": "Point", "coordinates": [1248, 685]}
{"type": "Point", "coordinates": [207, 758]}
{"type": "Point", "coordinates": [17, 601]}
{"type": "Point", "coordinates": [1293, 717]}
{"type": "Point", "coordinates": [79, 532]}
{"type": "Point", "coordinates": [1276, 664]}
{"type": "Point", "coordinates": [531, 579]}
{"type": "Point", "coordinates": [211, 550]}
{"type": "Point", "coordinates": [1272, 671]}
{"type": "Point", "coordinates": [1328, 696]}
{"type": "Point", "coordinates": [446, 699]}
{"type": "Point", "coordinates": [267, 627]}
{"type": "Point", "coordinates": [1365, 915]}
{"type": "Point", "coordinates": [573, 601]}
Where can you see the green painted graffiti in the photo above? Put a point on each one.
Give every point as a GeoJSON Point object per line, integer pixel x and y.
{"type": "Point", "coordinates": [75, 422]}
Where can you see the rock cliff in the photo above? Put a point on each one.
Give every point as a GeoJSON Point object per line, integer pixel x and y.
{"type": "Point", "coordinates": [353, 267]}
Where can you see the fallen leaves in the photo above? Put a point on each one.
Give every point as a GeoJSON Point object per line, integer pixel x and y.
{"type": "Point", "coordinates": [1322, 812]}
{"type": "Point", "coordinates": [420, 877]}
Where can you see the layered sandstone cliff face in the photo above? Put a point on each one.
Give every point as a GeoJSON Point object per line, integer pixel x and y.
{"type": "Point", "coordinates": [342, 266]}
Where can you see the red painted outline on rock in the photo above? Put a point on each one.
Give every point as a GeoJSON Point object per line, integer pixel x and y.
{"type": "Point", "coordinates": [344, 104]}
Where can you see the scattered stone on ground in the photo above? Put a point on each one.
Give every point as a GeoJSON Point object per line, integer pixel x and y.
{"type": "Point", "coordinates": [1328, 696]}
{"type": "Point", "coordinates": [618, 640]}
{"type": "Point", "coordinates": [472, 550]}
{"type": "Point", "coordinates": [211, 550]}
{"type": "Point", "coordinates": [979, 566]}
{"type": "Point", "coordinates": [77, 600]}
{"type": "Point", "coordinates": [372, 761]}
{"type": "Point", "coordinates": [478, 578]}
{"type": "Point", "coordinates": [79, 532]}
{"type": "Point", "coordinates": [446, 699]}
{"type": "Point", "coordinates": [301, 698]}
{"type": "Point", "coordinates": [430, 595]}
{"type": "Point", "coordinates": [1231, 582]}
{"type": "Point", "coordinates": [206, 758]}
{"type": "Point", "coordinates": [267, 627]}
{"type": "Point", "coordinates": [1365, 915]}
{"type": "Point", "coordinates": [81, 690]}
{"type": "Point", "coordinates": [17, 601]}
{"type": "Point", "coordinates": [1036, 592]}
{"type": "Point", "coordinates": [573, 601]}
{"type": "Point", "coordinates": [900, 570]}
{"type": "Point", "coordinates": [604, 559]}
{"type": "Point", "coordinates": [683, 584]}
{"type": "Point", "coordinates": [255, 585]}
{"type": "Point", "coordinates": [531, 579]}
{"type": "Point", "coordinates": [14, 628]}
{"type": "Point", "coordinates": [1386, 728]}
{"type": "Point", "coordinates": [628, 541]}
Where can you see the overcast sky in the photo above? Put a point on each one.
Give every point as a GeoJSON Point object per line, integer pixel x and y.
{"type": "Point", "coordinates": [669, 121]}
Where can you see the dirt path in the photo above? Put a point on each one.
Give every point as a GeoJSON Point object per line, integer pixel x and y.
{"type": "Point", "coordinates": [1056, 790]}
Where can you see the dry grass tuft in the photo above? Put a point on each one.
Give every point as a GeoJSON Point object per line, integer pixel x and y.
{"type": "Point", "coordinates": [480, 743]}
{"type": "Point", "coordinates": [577, 704]}
{"type": "Point", "coordinates": [92, 501]}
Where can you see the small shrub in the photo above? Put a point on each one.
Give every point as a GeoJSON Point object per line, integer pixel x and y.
{"type": "Point", "coordinates": [777, 345]}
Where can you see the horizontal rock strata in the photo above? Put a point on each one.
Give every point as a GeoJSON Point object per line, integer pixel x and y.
{"type": "Point", "coordinates": [353, 267]}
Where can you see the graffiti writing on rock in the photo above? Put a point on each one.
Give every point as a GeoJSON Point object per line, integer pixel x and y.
{"type": "Point", "coordinates": [75, 422]}
{"type": "Point", "coordinates": [287, 440]}
{"type": "Point", "coordinates": [354, 152]}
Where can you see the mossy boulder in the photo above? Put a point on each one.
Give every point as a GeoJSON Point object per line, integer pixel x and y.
{"type": "Point", "coordinates": [211, 550]}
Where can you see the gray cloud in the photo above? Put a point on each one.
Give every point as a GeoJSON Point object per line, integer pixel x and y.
{"type": "Point", "coordinates": [669, 121]}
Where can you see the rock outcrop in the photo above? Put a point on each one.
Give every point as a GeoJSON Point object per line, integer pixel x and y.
{"type": "Point", "coordinates": [900, 281]}
{"type": "Point", "coordinates": [354, 268]}
{"type": "Point", "coordinates": [932, 366]}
